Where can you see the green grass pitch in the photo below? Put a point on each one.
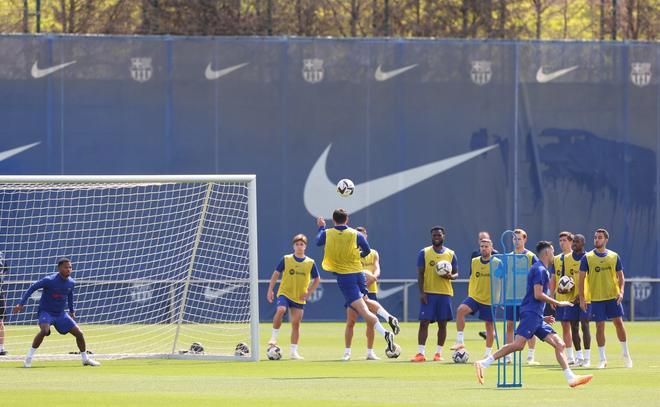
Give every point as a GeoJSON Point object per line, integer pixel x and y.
{"type": "Point", "coordinates": [322, 380]}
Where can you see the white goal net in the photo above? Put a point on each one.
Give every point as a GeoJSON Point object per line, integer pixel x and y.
{"type": "Point", "coordinates": [160, 262]}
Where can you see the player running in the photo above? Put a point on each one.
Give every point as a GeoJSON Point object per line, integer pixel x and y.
{"type": "Point", "coordinates": [533, 323]}
{"type": "Point", "coordinates": [57, 291]}
{"type": "Point", "coordinates": [297, 270]}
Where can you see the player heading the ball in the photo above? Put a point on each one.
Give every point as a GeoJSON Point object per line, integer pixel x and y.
{"type": "Point", "coordinates": [344, 247]}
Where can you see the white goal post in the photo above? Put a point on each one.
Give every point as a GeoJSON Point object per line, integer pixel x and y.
{"type": "Point", "coordinates": [160, 262]}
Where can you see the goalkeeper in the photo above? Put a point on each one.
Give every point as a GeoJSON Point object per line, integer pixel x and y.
{"type": "Point", "coordinates": [57, 290]}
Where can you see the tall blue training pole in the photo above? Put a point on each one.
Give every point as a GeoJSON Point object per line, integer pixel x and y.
{"type": "Point", "coordinates": [505, 291]}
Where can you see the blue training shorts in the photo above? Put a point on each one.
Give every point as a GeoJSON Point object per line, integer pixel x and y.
{"type": "Point", "coordinates": [437, 308]}
{"type": "Point", "coordinates": [533, 324]}
{"type": "Point", "coordinates": [372, 296]}
{"type": "Point", "coordinates": [485, 312]}
{"type": "Point", "coordinates": [508, 312]}
{"type": "Point", "coordinates": [62, 322]}
{"type": "Point", "coordinates": [284, 301]}
{"type": "Point", "coordinates": [605, 310]}
{"type": "Point", "coordinates": [353, 286]}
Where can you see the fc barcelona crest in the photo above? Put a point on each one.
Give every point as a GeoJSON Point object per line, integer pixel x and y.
{"type": "Point", "coordinates": [481, 72]}
{"type": "Point", "coordinates": [141, 69]}
{"type": "Point", "coordinates": [640, 73]}
{"type": "Point", "coordinates": [313, 70]}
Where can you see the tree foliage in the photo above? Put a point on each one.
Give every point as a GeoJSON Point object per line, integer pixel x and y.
{"type": "Point", "coordinates": [501, 19]}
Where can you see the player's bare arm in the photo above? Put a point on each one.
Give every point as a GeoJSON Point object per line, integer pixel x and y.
{"type": "Point", "coordinates": [270, 295]}
{"type": "Point", "coordinates": [621, 281]}
{"type": "Point", "coordinates": [583, 300]}
{"type": "Point", "coordinates": [311, 288]}
{"type": "Point", "coordinates": [420, 284]}
{"type": "Point", "coordinates": [541, 296]}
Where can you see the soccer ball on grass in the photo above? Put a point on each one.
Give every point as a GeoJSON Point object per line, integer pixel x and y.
{"type": "Point", "coordinates": [460, 356]}
{"type": "Point", "coordinates": [274, 352]}
{"type": "Point", "coordinates": [395, 353]}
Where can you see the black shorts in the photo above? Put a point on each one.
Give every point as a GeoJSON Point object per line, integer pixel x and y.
{"type": "Point", "coordinates": [2, 306]}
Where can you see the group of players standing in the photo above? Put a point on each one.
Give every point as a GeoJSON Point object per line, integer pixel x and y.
{"type": "Point", "coordinates": [596, 295]}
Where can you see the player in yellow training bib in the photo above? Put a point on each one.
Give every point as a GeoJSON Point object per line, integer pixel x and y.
{"type": "Point", "coordinates": [435, 292]}
{"type": "Point", "coordinates": [601, 272]}
{"type": "Point", "coordinates": [297, 271]}
{"type": "Point", "coordinates": [371, 270]}
{"type": "Point", "coordinates": [478, 299]}
{"type": "Point", "coordinates": [344, 248]}
{"type": "Point", "coordinates": [561, 267]}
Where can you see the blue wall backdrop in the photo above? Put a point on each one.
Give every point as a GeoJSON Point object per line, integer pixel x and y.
{"type": "Point", "coordinates": [472, 135]}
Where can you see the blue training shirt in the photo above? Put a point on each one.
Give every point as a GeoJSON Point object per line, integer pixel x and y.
{"type": "Point", "coordinates": [57, 291]}
{"type": "Point", "coordinates": [538, 274]}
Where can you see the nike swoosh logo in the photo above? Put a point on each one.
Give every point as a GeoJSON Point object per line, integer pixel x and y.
{"type": "Point", "coordinates": [543, 77]}
{"type": "Point", "coordinates": [213, 75]}
{"type": "Point", "coordinates": [321, 198]}
{"type": "Point", "coordinates": [211, 294]}
{"type": "Point", "coordinates": [10, 153]}
{"type": "Point", "coordinates": [389, 292]}
{"type": "Point", "coordinates": [381, 76]}
{"type": "Point", "coordinates": [40, 73]}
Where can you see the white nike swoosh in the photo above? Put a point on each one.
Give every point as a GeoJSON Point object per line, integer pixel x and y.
{"type": "Point", "coordinates": [381, 76]}
{"type": "Point", "coordinates": [212, 75]}
{"type": "Point", "coordinates": [542, 77]}
{"type": "Point", "coordinates": [10, 153]}
{"type": "Point", "coordinates": [211, 294]}
{"type": "Point", "coordinates": [389, 292]}
{"type": "Point", "coordinates": [40, 73]}
{"type": "Point", "coordinates": [321, 198]}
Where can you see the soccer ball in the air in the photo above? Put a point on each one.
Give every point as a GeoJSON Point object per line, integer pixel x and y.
{"type": "Point", "coordinates": [460, 356]}
{"type": "Point", "coordinates": [443, 268]}
{"type": "Point", "coordinates": [565, 284]}
{"type": "Point", "coordinates": [345, 187]}
{"type": "Point", "coordinates": [274, 352]}
{"type": "Point", "coordinates": [395, 353]}
{"type": "Point", "coordinates": [242, 350]}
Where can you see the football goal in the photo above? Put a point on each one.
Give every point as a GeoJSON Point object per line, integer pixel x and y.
{"type": "Point", "coordinates": [160, 263]}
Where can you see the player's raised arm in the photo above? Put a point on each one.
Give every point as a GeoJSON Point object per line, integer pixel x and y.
{"type": "Point", "coordinates": [320, 236]}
